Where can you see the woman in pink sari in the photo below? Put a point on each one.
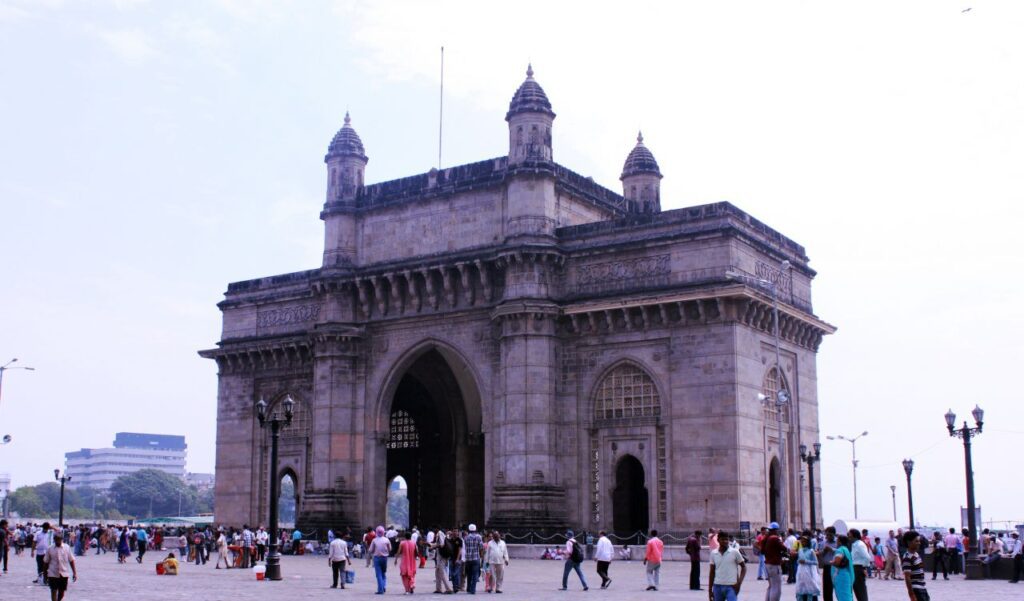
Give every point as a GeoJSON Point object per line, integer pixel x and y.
{"type": "Point", "coordinates": [407, 556]}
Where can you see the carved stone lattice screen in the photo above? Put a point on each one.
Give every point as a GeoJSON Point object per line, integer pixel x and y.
{"type": "Point", "coordinates": [771, 390]}
{"type": "Point", "coordinates": [626, 392]}
{"type": "Point", "coordinates": [403, 433]}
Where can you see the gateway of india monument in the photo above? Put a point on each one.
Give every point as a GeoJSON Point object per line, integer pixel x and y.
{"type": "Point", "coordinates": [528, 349]}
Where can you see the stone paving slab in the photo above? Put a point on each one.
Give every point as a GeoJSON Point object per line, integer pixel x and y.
{"type": "Point", "coordinates": [101, 578]}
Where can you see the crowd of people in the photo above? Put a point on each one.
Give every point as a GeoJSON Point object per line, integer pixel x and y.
{"type": "Point", "coordinates": [821, 564]}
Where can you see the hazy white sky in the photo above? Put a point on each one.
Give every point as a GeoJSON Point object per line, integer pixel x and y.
{"type": "Point", "coordinates": [152, 152]}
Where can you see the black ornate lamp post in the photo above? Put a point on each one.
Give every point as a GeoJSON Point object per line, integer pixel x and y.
{"type": "Point", "coordinates": [63, 480]}
{"type": "Point", "coordinates": [908, 467]}
{"type": "Point", "coordinates": [811, 459]}
{"type": "Point", "coordinates": [276, 422]}
{"type": "Point", "coordinates": [966, 433]}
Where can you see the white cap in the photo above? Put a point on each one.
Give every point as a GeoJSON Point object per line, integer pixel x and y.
{"type": "Point", "coordinates": [472, 527]}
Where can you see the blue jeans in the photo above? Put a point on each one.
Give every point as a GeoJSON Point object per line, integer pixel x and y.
{"type": "Point", "coordinates": [723, 592]}
{"type": "Point", "coordinates": [455, 574]}
{"type": "Point", "coordinates": [380, 569]}
{"type": "Point", "coordinates": [472, 575]}
{"type": "Point", "coordinates": [762, 571]}
{"type": "Point", "coordinates": [570, 566]}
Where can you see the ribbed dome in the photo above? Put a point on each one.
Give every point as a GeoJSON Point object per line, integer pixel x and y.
{"type": "Point", "coordinates": [640, 160]}
{"type": "Point", "coordinates": [346, 142]}
{"type": "Point", "coordinates": [529, 98]}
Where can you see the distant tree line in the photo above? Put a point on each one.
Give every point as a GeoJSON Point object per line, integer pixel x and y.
{"type": "Point", "coordinates": [145, 493]}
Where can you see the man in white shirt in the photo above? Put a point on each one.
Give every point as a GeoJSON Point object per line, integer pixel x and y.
{"type": "Point", "coordinates": [727, 570]}
{"type": "Point", "coordinates": [337, 557]}
{"type": "Point", "coordinates": [892, 556]}
{"type": "Point", "coordinates": [603, 554]}
{"type": "Point", "coordinates": [862, 561]}
{"type": "Point", "coordinates": [262, 540]}
{"type": "Point", "coordinates": [1017, 552]}
{"type": "Point", "coordinates": [59, 565]}
{"type": "Point", "coordinates": [41, 542]}
{"type": "Point", "coordinates": [496, 555]}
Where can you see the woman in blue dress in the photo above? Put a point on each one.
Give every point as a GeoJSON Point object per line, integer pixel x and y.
{"type": "Point", "coordinates": [842, 570]}
{"type": "Point", "coordinates": [122, 547]}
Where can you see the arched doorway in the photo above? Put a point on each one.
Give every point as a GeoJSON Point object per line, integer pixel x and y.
{"type": "Point", "coordinates": [774, 499]}
{"type": "Point", "coordinates": [287, 500]}
{"type": "Point", "coordinates": [398, 503]}
{"type": "Point", "coordinates": [629, 499]}
{"type": "Point", "coordinates": [434, 444]}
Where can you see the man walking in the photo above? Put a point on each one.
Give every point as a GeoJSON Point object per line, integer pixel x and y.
{"type": "Point", "coordinates": [337, 558]}
{"type": "Point", "coordinates": [474, 551]}
{"type": "Point", "coordinates": [41, 540]}
{"type": "Point", "coordinates": [892, 555]}
{"type": "Point", "coordinates": [826, 553]}
{"type": "Point", "coordinates": [862, 561]}
{"type": "Point", "coordinates": [603, 554]}
{"type": "Point", "coordinates": [141, 538]}
{"type": "Point", "coordinates": [497, 557]}
{"type": "Point", "coordinates": [59, 565]}
{"type": "Point", "coordinates": [441, 553]}
{"type": "Point", "coordinates": [727, 571]}
{"type": "Point", "coordinates": [693, 551]}
{"type": "Point", "coordinates": [247, 544]}
{"type": "Point", "coordinates": [652, 560]}
{"type": "Point", "coordinates": [913, 568]}
{"type": "Point", "coordinates": [573, 559]}
{"type": "Point", "coordinates": [773, 550]}
{"type": "Point", "coordinates": [952, 543]}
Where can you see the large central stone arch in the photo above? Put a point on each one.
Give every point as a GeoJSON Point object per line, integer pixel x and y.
{"type": "Point", "coordinates": [435, 384]}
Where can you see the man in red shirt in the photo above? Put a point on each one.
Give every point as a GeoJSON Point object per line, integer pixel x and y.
{"type": "Point", "coordinates": [773, 550]}
{"type": "Point", "coordinates": [652, 559]}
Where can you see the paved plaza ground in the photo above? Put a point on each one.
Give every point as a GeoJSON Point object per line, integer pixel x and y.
{"type": "Point", "coordinates": [101, 578]}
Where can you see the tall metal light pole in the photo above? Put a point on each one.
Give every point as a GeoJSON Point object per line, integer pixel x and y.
{"type": "Point", "coordinates": [276, 422]}
{"type": "Point", "coordinates": [892, 487]}
{"type": "Point", "coordinates": [811, 459]}
{"type": "Point", "coordinates": [7, 366]}
{"type": "Point", "coordinates": [63, 480]}
{"type": "Point", "coordinates": [782, 395]}
{"type": "Point", "coordinates": [908, 467]}
{"type": "Point", "coordinates": [966, 433]}
{"type": "Point", "coordinates": [853, 443]}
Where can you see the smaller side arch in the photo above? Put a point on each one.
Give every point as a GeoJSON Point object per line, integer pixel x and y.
{"type": "Point", "coordinates": [630, 497]}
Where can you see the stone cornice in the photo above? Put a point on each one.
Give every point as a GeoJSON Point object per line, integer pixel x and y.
{"type": "Point", "coordinates": [732, 303]}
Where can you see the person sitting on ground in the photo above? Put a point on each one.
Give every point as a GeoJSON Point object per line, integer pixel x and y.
{"type": "Point", "coordinates": [626, 553]}
{"type": "Point", "coordinates": [171, 565]}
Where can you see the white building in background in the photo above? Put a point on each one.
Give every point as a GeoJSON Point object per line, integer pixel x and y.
{"type": "Point", "coordinates": [98, 468]}
{"type": "Point", "coordinates": [201, 481]}
{"type": "Point", "coordinates": [5, 491]}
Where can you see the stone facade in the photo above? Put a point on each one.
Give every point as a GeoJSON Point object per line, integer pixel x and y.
{"type": "Point", "coordinates": [528, 349]}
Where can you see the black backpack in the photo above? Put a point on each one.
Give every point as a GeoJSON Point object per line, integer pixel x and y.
{"type": "Point", "coordinates": [576, 555]}
{"type": "Point", "coordinates": [447, 550]}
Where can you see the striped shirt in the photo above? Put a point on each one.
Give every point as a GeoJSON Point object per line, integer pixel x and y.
{"type": "Point", "coordinates": [914, 565]}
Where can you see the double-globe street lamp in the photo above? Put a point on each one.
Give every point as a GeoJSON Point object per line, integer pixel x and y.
{"type": "Point", "coordinates": [811, 459]}
{"type": "Point", "coordinates": [908, 467]}
{"type": "Point", "coordinates": [63, 480]}
{"type": "Point", "coordinates": [966, 433]}
{"type": "Point", "coordinates": [276, 422]}
{"type": "Point", "coordinates": [853, 443]}
{"type": "Point", "coordinates": [781, 395]}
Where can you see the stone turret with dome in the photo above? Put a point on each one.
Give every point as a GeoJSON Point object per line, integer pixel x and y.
{"type": "Point", "coordinates": [346, 162]}
{"type": "Point", "coordinates": [529, 119]}
{"type": "Point", "coordinates": [641, 178]}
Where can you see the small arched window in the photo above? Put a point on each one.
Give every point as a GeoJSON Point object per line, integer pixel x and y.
{"type": "Point", "coordinates": [773, 382]}
{"type": "Point", "coordinates": [626, 391]}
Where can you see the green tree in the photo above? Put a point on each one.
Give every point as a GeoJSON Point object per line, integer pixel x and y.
{"type": "Point", "coordinates": [26, 502]}
{"type": "Point", "coordinates": [148, 493]}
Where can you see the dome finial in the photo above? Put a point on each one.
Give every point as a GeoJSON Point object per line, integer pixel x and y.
{"type": "Point", "coordinates": [529, 70]}
{"type": "Point", "coordinates": [639, 137]}
{"type": "Point", "coordinates": [348, 120]}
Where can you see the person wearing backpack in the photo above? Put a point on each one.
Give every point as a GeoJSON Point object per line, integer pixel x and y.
{"type": "Point", "coordinates": [573, 559]}
{"type": "Point", "coordinates": [441, 551]}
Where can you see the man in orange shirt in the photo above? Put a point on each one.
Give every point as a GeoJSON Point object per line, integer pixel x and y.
{"type": "Point", "coordinates": [652, 559]}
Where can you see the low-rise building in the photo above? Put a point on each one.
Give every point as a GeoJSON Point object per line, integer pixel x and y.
{"type": "Point", "coordinates": [98, 468]}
